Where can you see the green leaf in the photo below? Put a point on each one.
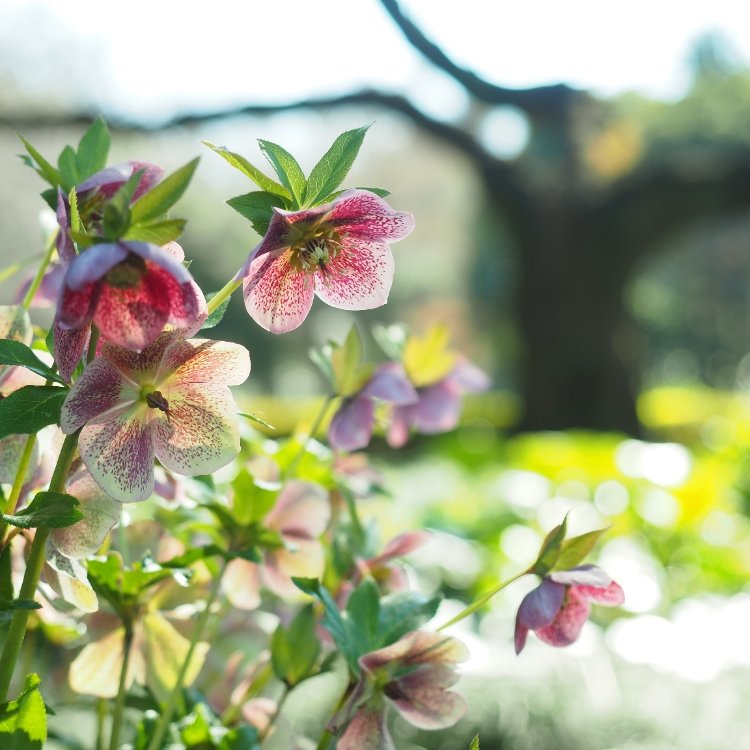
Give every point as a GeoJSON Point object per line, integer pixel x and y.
{"type": "Point", "coordinates": [93, 149]}
{"type": "Point", "coordinates": [16, 353]}
{"type": "Point", "coordinates": [474, 743]}
{"type": "Point", "coordinates": [27, 604]}
{"type": "Point", "coordinates": [333, 167]}
{"type": "Point", "coordinates": [294, 650]}
{"type": "Point", "coordinates": [403, 612]}
{"type": "Point", "coordinates": [76, 225]}
{"type": "Point", "coordinates": [218, 314]}
{"type": "Point", "coordinates": [48, 510]}
{"type": "Point", "coordinates": [30, 408]}
{"type": "Point", "coordinates": [157, 232]}
{"type": "Point", "coordinates": [244, 166]}
{"type": "Point", "coordinates": [67, 163]}
{"type": "Point", "coordinates": [286, 167]}
{"type": "Point", "coordinates": [255, 418]}
{"type": "Point", "coordinates": [349, 376]}
{"type": "Point", "coordinates": [157, 201]}
{"type": "Point", "coordinates": [362, 614]}
{"type": "Point", "coordinates": [23, 722]}
{"type": "Point", "coordinates": [575, 549]}
{"type": "Point", "coordinates": [252, 499]}
{"type": "Point", "coordinates": [243, 737]}
{"type": "Point", "coordinates": [550, 549]}
{"type": "Point", "coordinates": [258, 208]}
{"type": "Point", "coordinates": [6, 580]}
{"type": "Point", "coordinates": [42, 166]}
{"type": "Point", "coordinates": [321, 358]}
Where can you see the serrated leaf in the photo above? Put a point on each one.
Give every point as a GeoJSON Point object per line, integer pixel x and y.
{"type": "Point", "coordinates": [258, 208]}
{"type": "Point", "coordinates": [48, 510]}
{"type": "Point", "coordinates": [42, 166]}
{"type": "Point", "coordinates": [243, 165]}
{"type": "Point", "coordinates": [23, 722]}
{"type": "Point", "coordinates": [575, 549]}
{"type": "Point", "coordinates": [333, 167]}
{"type": "Point", "coordinates": [76, 225]}
{"type": "Point", "coordinates": [474, 743]}
{"type": "Point", "coordinates": [67, 163]}
{"type": "Point", "coordinates": [30, 408]}
{"type": "Point", "coordinates": [286, 167]}
{"type": "Point", "coordinates": [256, 419]}
{"type": "Point", "coordinates": [93, 149]}
{"type": "Point", "coordinates": [157, 232]}
{"type": "Point", "coordinates": [157, 201]}
{"type": "Point", "coordinates": [16, 353]}
{"type": "Point", "coordinates": [218, 314]}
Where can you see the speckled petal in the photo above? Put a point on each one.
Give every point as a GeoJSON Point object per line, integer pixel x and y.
{"type": "Point", "coordinates": [351, 426]}
{"type": "Point", "coordinates": [358, 278]}
{"type": "Point", "coordinates": [608, 596]}
{"type": "Point", "coordinates": [205, 361]}
{"type": "Point", "coordinates": [417, 647]}
{"type": "Point", "coordinates": [277, 296]}
{"type": "Point", "coordinates": [70, 344]}
{"type": "Point", "coordinates": [367, 731]}
{"type": "Point", "coordinates": [100, 389]}
{"type": "Point", "coordinates": [424, 703]}
{"type": "Point", "coordinates": [76, 309]}
{"type": "Point", "coordinates": [201, 433]}
{"type": "Point", "coordinates": [302, 510]}
{"type": "Point", "coordinates": [100, 514]}
{"type": "Point", "coordinates": [567, 625]}
{"type": "Point", "coordinates": [117, 450]}
{"type": "Point", "coordinates": [92, 264]}
{"type": "Point", "coordinates": [241, 584]}
{"type": "Point", "coordinates": [166, 259]}
{"type": "Point", "coordinates": [366, 215]}
{"type": "Point", "coordinates": [140, 366]}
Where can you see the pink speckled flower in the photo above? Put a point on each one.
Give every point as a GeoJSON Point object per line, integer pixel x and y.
{"type": "Point", "coordinates": [557, 609]}
{"type": "Point", "coordinates": [411, 675]}
{"type": "Point", "coordinates": [338, 251]}
{"type": "Point", "coordinates": [170, 401]}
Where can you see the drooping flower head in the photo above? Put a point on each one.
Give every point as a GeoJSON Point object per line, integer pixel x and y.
{"type": "Point", "coordinates": [557, 609]}
{"type": "Point", "coordinates": [413, 676]}
{"type": "Point", "coordinates": [170, 401]}
{"type": "Point", "coordinates": [338, 251]}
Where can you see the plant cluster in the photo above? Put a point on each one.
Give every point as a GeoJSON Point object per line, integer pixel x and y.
{"type": "Point", "coordinates": [125, 405]}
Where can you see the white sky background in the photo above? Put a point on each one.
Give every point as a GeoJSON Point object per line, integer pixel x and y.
{"type": "Point", "coordinates": [154, 58]}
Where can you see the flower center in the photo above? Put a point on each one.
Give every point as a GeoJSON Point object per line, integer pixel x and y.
{"type": "Point", "coordinates": [313, 246]}
{"type": "Point", "coordinates": [155, 400]}
{"type": "Point", "coordinates": [127, 274]}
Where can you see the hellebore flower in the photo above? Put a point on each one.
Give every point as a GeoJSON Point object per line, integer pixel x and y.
{"type": "Point", "coordinates": [300, 515]}
{"type": "Point", "coordinates": [557, 609]}
{"type": "Point", "coordinates": [438, 406]}
{"type": "Point", "coordinates": [352, 425]}
{"type": "Point", "coordinates": [170, 401]}
{"type": "Point", "coordinates": [338, 251]}
{"type": "Point", "coordinates": [412, 675]}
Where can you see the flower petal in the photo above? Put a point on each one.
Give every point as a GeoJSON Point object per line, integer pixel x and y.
{"type": "Point", "coordinates": [11, 450]}
{"type": "Point", "coordinates": [438, 409]}
{"type": "Point", "coordinates": [469, 377]}
{"type": "Point", "coordinates": [49, 290]}
{"type": "Point", "coordinates": [302, 510]}
{"type": "Point", "coordinates": [101, 388]}
{"type": "Point", "coordinates": [15, 324]}
{"type": "Point", "coordinates": [75, 309]}
{"type": "Point", "coordinates": [277, 297]}
{"type": "Point", "coordinates": [117, 450]}
{"type": "Point", "coordinates": [398, 428]}
{"type": "Point", "coordinates": [96, 670]}
{"type": "Point", "coordinates": [303, 558]}
{"type": "Point", "coordinates": [351, 426]}
{"type": "Point", "coordinates": [71, 579]}
{"type": "Point", "coordinates": [140, 367]}
{"type": "Point", "coordinates": [390, 383]}
{"type": "Point", "coordinates": [241, 584]}
{"type": "Point", "coordinates": [64, 243]}
{"type": "Point", "coordinates": [206, 361]}
{"type": "Point", "coordinates": [367, 731]}
{"type": "Point", "coordinates": [166, 259]}
{"type": "Point", "coordinates": [609, 596]}
{"type": "Point", "coordinates": [415, 648]}
{"type": "Point", "coordinates": [584, 575]}
{"type": "Point", "coordinates": [358, 278]}
{"type": "Point", "coordinates": [540, 606]}
{"type": "Point", "coordinates": [200, 434]}
{"type": "Point", "coordinates": [566, 627]}
{"type": "Point", "coordinates": [424, 705]}
{"type": "Point", "coordinates": [401, 545]}
{"type": "Point", "coordinates": [365, 215]}
{"type": "Point", "coordinates": [70, 344]}
{"type": "Point", "coordinates": [92, 264]}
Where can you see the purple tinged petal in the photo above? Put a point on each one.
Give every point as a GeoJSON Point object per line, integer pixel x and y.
{"type": "Point", "coordinates": [540, 606]}
{"type": "Point", "coordinates": [101, 388]}
{"type": "Point", "coordinates": [302, 510]}
{"type": "Point", "coordinates": [63, 242]}
{"type": "Point", "coordinates": [367, 731]}
{"type": "Point", "coordinates": [359, 277]}
{"type": "Point", "coordinates": [366, 215]}
{"type": "Point", "coordinates": [352, 425]}
{"type": "Point", "coordinates": [469, 377]}
{"type": "Point", "coordinates": [401, 545]}
{"type": "Point", "coordinates": [424, 705]}
{"type": "Point", "coordinates": [438, 409]}
{"type": "Point", "coordinates": [416, 648]}
{"type": "Point", "coordinates": [519, 636]}
{"type": "Point", "coordinates": [49, 290]}
{"type": "Point", "coordinates": [584, 575]}
{"type": "Point", "coordinates": [76, 309]}
{"type": "Point", "coordinates": [70, 345]}
{"type": "Point", "coordinates": [205, 361]}
{"type": "Point", "coordinates": [567, 625]}
{"type": "Point", "coordinates": [390, 383]}
{"type": "Point", "coordinates": [142, 366]}
{"type": "Point", "coordinates": [161, 257]}
{"type": "Point", "coordinates": [111, 179]}
{"type": "Point", "coordinates": [92, 264]}
{"type": "Point", "coordinates": [398, 429]}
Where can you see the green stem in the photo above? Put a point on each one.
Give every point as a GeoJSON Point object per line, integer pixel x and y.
{"type": "Point", "coordinates": [310, 434]}
{"type": "Point", "coordinates": [15, 492]}
{"type": "Point", "coordinates": [226, 291]}
{"type": "Point", "coordinates": [37, 280]}
{"type": "Point", "coordinates": [482, 600]}
{"type": "Point", "coordinates": [175, 696]}
{"type": "Point", "coordinates": [101, 717]}
{"type": "Point", "coordinates": [325, 740]}
{"type": "Point", "coordinates": [93, 341]}
{"type": "Point", "coordinates": [260, 680]}
{"type": "Point", "coordinates": [276, 714]}
{"type": "Point", "coordinates": [122, 690]}
{"type": "Point", "coordinates": [18, 624]}
{"type": "Point", "coordinates": [328, 736]}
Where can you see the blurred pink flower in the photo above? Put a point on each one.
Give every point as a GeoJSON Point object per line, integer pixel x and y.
{"type": "Point", "coordinates": [411, 675]}
{"type": "Point", "coordinates": [171, 402]}
{"type": "Point", "coordinates": [338, 251]}
{"type": "Point", "coordinates": [352, 425]}
{"type": "Point", "coordinates": [557, 609]}
{"type": "Point", "coordinates": [438, 406]}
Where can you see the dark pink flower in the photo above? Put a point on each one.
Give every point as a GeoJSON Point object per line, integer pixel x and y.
{"type": "Point", "coordinates": [412, 676]}
{"type": "Point", "coordinates": [352, 425]}
{"type": "Point", "coordinates": [338, 251]}
{"type": "Point", "coordinates": [557, 609]}
{"type": "Point", "coordinates": [171, 402]}
{"type": "Point", "coordinates": [438, 406]}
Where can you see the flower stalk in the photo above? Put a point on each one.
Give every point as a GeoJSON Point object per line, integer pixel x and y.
{"type": "Point", "coordinates": [122, 691]}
